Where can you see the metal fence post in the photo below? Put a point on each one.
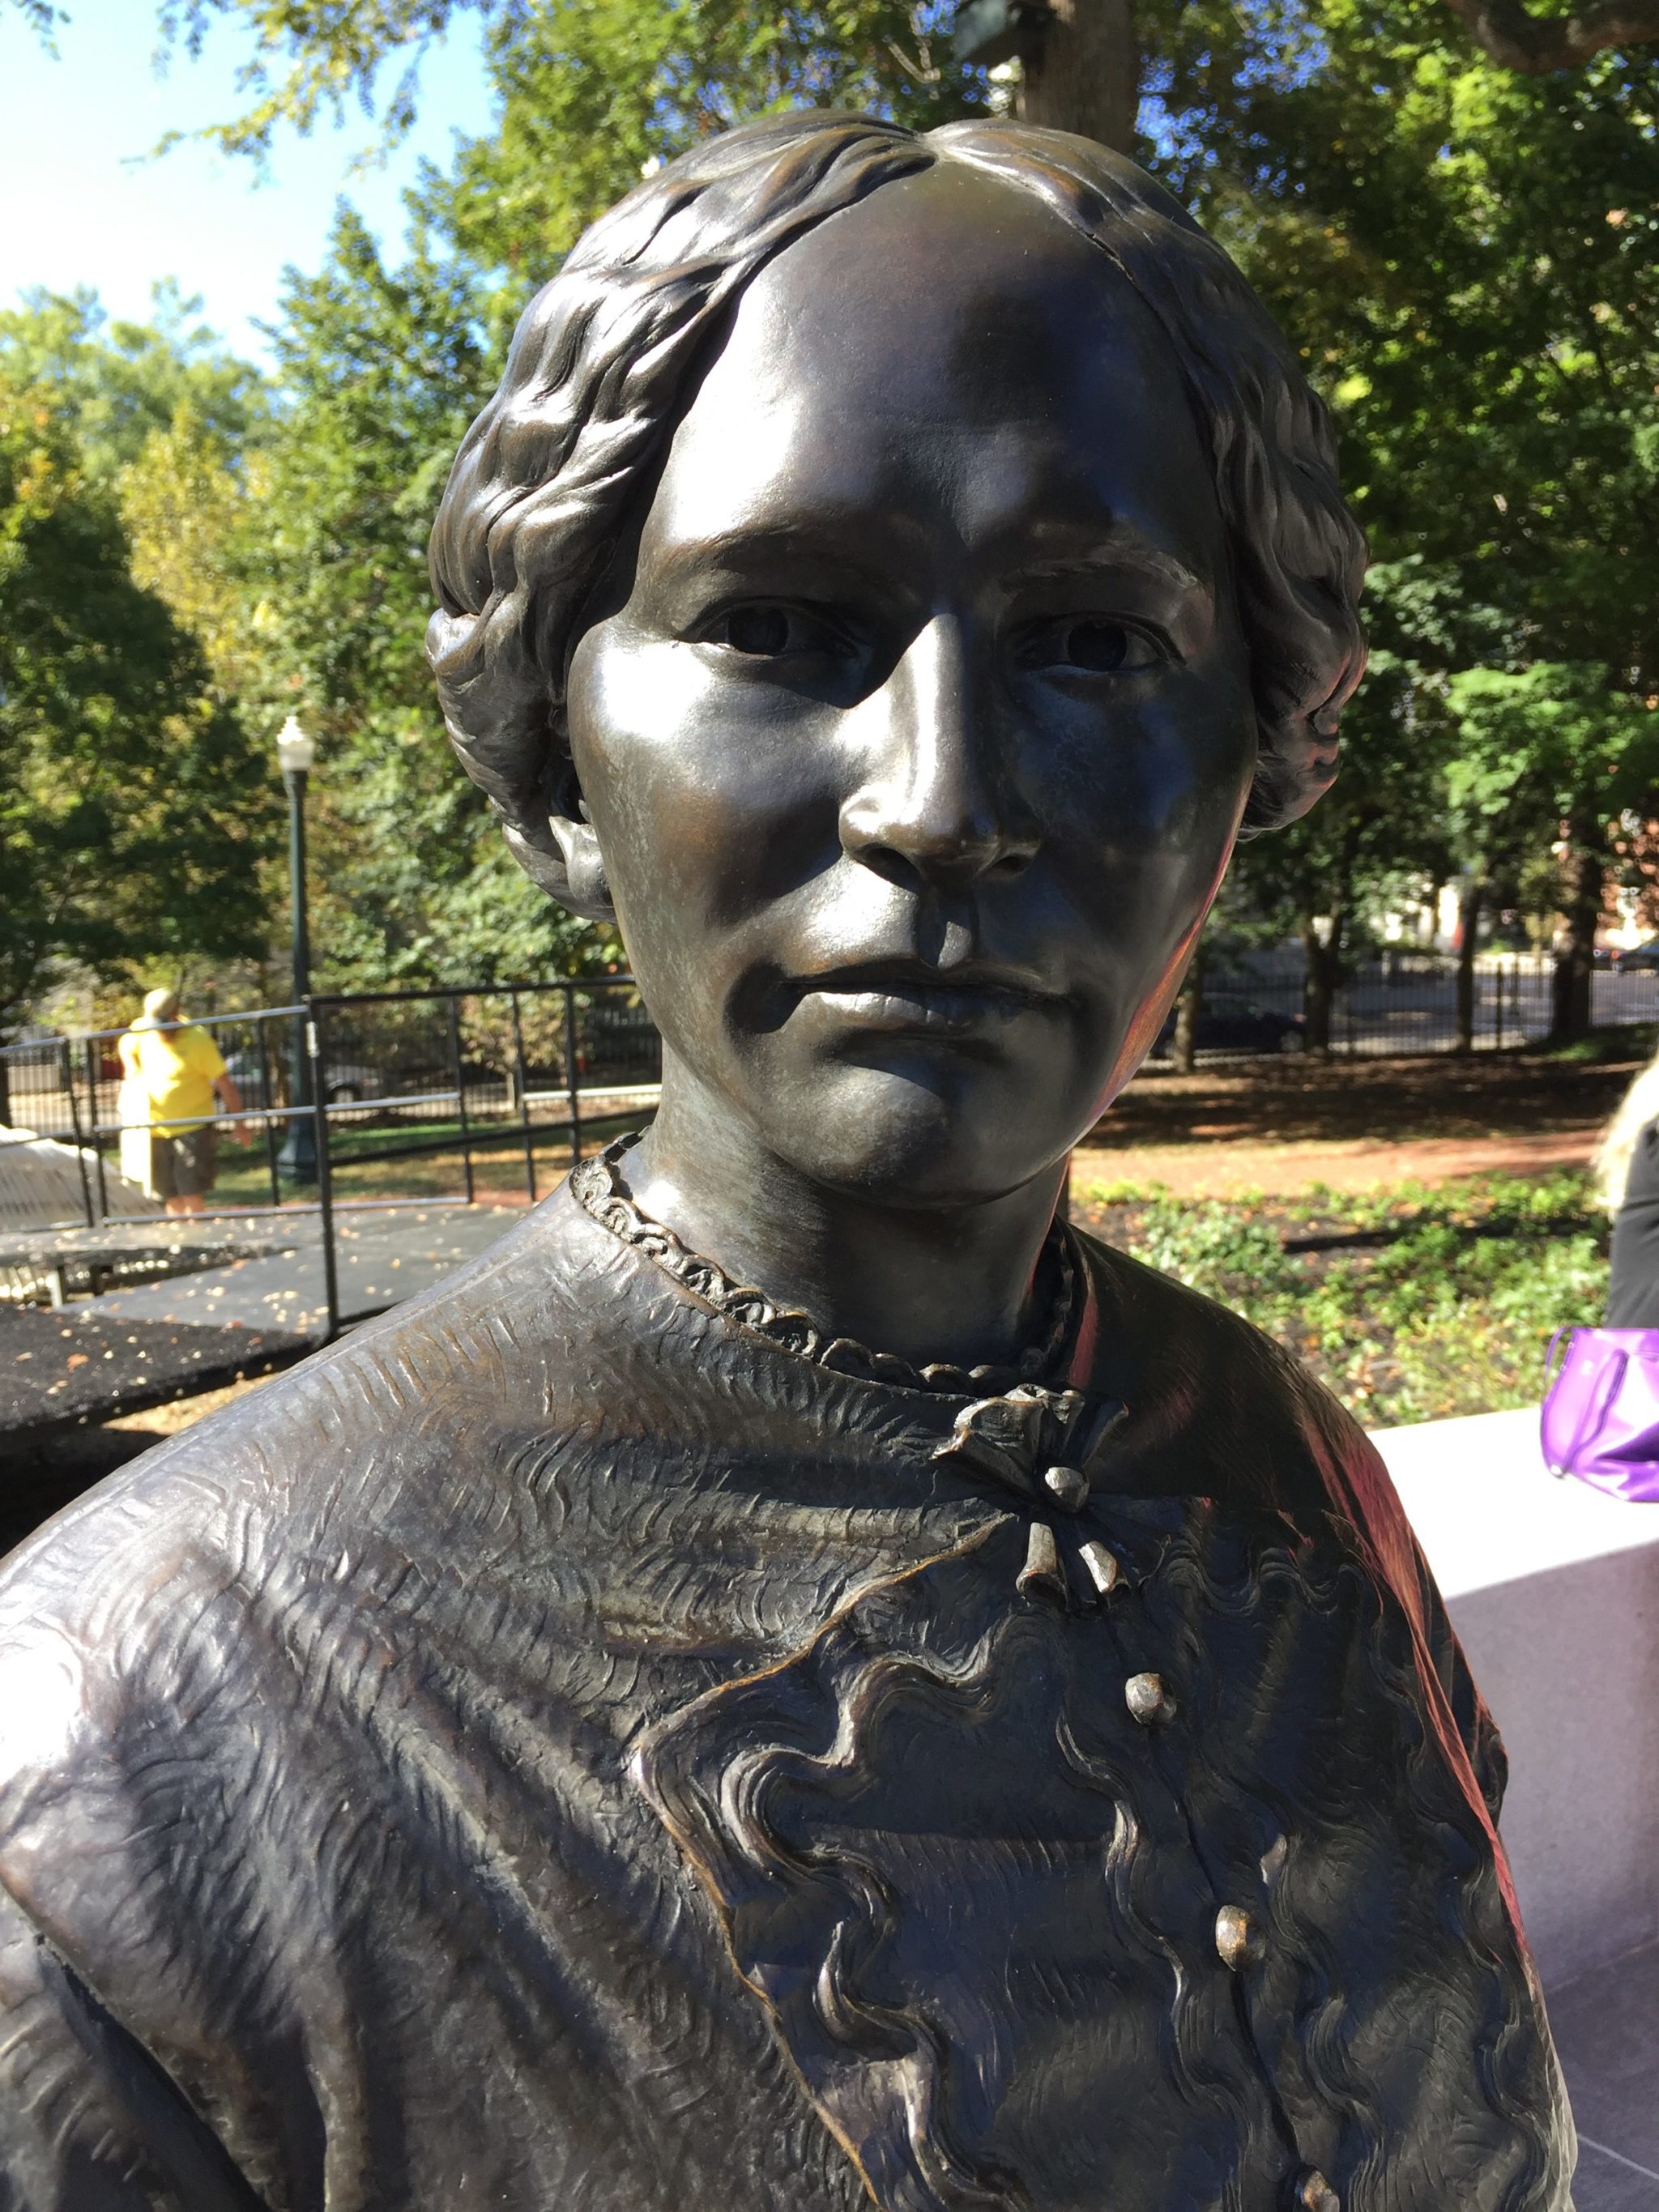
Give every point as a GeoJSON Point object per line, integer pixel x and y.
{"type": "Point", "coordinates": [521, 1082]}
{"type": "Point", "coordinates": [68, 1066]}
{"type": "Point", "coordinates": [460, 1090]}
{"type": "Point", "coordinates": [314, 1023]}
{"type": "Point", "coordinates": [572, 1071]}
{"type": "Point", "coordinates": [97, 1142]}
{"type": "Point", "coordinates": [267, 1099]}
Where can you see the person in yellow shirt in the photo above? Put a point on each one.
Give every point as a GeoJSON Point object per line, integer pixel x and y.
{"type": "Point", "coordinates": [173, 1077]}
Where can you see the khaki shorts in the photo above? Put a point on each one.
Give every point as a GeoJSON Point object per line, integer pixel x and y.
{"type": "Point", "coordinates": [184, 1166]}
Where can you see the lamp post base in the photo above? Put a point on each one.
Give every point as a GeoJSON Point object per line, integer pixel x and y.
{"type": "Point", "coordinates": [297, 1159]}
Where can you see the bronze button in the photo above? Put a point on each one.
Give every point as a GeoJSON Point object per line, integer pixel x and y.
{"type": "Point", "coordinates": [1068, 1487]}
{"type": "Point", "coordinates": [1100, 1567]}
{"type": "Point", "coordinates": [1315, 2194]}
{"type": "Point", "coordinates": [1042, 1576]}
{"type": "Point", "coordinates": [1148, 1699]}
{"type": "Point", "coordinates": [1237, 1940]}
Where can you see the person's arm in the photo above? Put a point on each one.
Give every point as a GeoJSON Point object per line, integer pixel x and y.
{"type": "Point", "coordinates": [1633, 1276]}
{"type": "Point", "coordinates": [230, 1098]}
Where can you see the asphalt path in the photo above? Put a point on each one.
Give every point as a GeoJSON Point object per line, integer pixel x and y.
{"type": "Point", "coordinates": [382, 1256]}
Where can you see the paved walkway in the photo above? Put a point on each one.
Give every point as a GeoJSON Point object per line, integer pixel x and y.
{"type": "Point", "coordinates": [383, 1255]}
{"type": "Point", "coordinates": [157, 1342]}
{"type": "Point", "coordinates": [1607, 2030]}
{"type": "Point", "coordinates": [65, 1367]}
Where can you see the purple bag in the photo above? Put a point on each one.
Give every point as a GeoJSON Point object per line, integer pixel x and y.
{"type": "Point", "coordinates": [1601, 1417]}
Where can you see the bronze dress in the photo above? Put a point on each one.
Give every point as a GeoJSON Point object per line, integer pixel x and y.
{"type": "Point", "coordinates": [583, 1744]}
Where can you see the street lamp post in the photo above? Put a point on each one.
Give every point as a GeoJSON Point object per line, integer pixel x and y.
{"type": "Point", "coordinates": [295, 752]}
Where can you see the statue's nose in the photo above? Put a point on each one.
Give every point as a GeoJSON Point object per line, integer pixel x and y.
{"type": "Point", "coordinates": [936, 798]}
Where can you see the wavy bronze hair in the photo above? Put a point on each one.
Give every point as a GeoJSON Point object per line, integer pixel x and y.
{"type": "Point", "coordinates": [605, 362]}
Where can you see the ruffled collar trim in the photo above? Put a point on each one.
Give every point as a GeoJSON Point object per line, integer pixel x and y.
{"type": "Point", "coordinates": [597, 1184]}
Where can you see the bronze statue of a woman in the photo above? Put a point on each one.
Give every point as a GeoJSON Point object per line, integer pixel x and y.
{"type": "Point", "coordinates": [799, 1681]}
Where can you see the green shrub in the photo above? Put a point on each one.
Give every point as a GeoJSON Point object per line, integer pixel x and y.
{"type": "Point", "coordinates": [1451, 1315]}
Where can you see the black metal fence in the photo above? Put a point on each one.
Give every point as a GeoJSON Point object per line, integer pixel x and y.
{"type": "Point", "coordinates": [345, 1096]}
{"type": "Point", "coordinates": [334, 1094]}
{"type": "Point", "coordinates": [478, 1075]}
{"type": "Point", "coordinates": [60, 1107]}
{"type": "Point", "coordinates": [1401, 1003]}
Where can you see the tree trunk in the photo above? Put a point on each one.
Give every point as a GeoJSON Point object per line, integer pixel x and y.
{"type": "Point", "coordinates": [1087, 76]}
{"type": "Point", "coordinates": [1469, 936]}
{"type": "Point", "coordinates": [1569, 985]}
{"type": "Point", "coordinates": [1324, 973]}
{"type": "Point", "coordinates": [1185, 1045]}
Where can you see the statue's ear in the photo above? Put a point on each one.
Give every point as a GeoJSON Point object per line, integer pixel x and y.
{"type": "Point", "coordinates": [559, 851]}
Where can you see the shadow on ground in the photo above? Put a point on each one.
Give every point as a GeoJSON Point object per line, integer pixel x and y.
{"type": "Point", "coordinates": [37, 1479]}
{"type": "Point", "coordinates": [1307, 1100]}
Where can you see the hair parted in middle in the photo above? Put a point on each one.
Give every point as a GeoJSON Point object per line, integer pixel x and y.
{"type": "Point", "coordinates": [606, 360]}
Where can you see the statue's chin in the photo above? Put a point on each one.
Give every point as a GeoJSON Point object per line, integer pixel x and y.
{"type": "Point", "coordinates": [919, 1135]}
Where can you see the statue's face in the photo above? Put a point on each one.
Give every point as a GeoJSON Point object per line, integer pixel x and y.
{"type": "Point", "coordinates": [917, 747]}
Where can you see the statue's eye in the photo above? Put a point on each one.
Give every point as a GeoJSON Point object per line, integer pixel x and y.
{"type": "Point", "coordinates": [1090, 644]}
{"type": "Point", "coordinates": [764, 631]}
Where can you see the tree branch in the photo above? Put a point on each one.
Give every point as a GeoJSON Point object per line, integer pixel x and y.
{"type": "Point", "coordinates": [1536, 44]}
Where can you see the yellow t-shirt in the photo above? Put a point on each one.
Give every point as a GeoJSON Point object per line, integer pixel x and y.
{"type": "Point", "coordinates": [178, 1068]}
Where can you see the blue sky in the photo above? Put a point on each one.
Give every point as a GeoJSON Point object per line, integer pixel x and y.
{"type": "Point", "coordinates": [80, 209]}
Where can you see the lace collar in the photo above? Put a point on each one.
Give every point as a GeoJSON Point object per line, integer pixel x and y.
{"type": "Point", "coordinates": [598, 1183]}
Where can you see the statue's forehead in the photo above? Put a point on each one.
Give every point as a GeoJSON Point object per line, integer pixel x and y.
{"type": "Point", "coordinates": [949, 338]}
{"type": "Point", "coordinates": [953, 275]}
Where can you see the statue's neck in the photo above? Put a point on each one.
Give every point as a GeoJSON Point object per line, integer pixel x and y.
{"type": "Point", "coordinates": [954, 1284]}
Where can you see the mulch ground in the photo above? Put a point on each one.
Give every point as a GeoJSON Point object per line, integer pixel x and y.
{"type": "Point", "coordinates": [61, 1367]}
{"type": "Point", "coordinates": [1283, 1125]}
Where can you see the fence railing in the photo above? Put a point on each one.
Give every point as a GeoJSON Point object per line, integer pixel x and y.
{"type": "Point", "coordinates": [1403, 1003]}
{"type": "Point", "coordinates": [342, 1090]}
{"type": "Point", "coordinates": [344, 1096]}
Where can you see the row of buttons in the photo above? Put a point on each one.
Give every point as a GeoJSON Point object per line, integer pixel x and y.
{"type": "Point", "coordinates": [1238, 1940]}
{"type": "Point", "coordinates": [1043, 1574]}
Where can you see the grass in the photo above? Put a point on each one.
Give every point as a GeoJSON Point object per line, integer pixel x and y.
{"type": "Point", "coordinates": [1626, 1041]}
{"type": "Point", "coordinates": [497, 1160]}
{"type": "Point", "coordinates": [1448, 1310]}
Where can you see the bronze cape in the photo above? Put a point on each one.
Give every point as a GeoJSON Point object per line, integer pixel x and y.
{"type": "Point", "coordinates": [572, 1746]}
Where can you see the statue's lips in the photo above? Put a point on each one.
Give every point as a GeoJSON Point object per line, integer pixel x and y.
{"type": "Point", "coordinates": [920, 1001]}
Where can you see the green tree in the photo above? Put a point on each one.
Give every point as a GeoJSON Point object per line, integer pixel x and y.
{"type": "Point", "coordinates": [120, 382]}
{"type": "Point", "coordinates": [1550, 752]}
{"type": "Point", "coordinates": [595, 93]}
{"type": "Point", "coordinates": [1466, 258]}
{"type": "Point", "coordinates": [644, 77]}
{"type": "Point", "coordinates": [1370, 843]}
{"type": "Point", "coordinates": [381, 373]}
{"type": "Point", "coordinates": [130, 809]}
{"type": "Point", "coordinates": [311, 57]}
{"type": "Point", "coordinates": [41, 16]}
{"type": "Point", "coordinates": [190, 503]}
{"type": "Point", "coordinates": [1463, 253]}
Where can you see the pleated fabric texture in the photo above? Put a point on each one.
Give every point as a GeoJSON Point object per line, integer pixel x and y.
{"type": "Point", "coordinates": [560, 1747]}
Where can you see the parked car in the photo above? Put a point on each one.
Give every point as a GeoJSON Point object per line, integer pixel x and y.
{"type": "Point", "coordinates": [348, 1082]}
{"type": "Point", "coordinates": [1640, 959]}
{"type": "Point", "coordinates": [1229, 1022]}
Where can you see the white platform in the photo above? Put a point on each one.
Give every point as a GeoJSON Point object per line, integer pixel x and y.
{"type": "Point", "coordinates": [1554, 1592]}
